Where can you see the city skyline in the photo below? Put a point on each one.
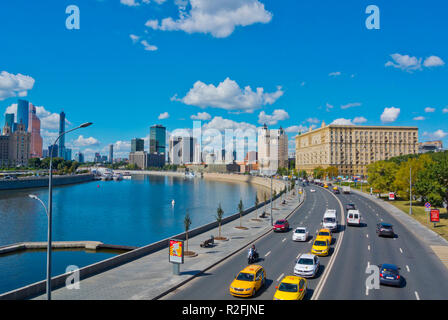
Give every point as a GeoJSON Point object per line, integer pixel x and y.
{"type": "Point", "coordinates": [241, 75]}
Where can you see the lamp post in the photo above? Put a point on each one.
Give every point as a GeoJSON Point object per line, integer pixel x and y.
{"type": "Point", "coordinates": [272, 222]}
{"type": "Point", "coordinates": [410, 190]}
{"type": "Point", "coordinates": [50, 206]}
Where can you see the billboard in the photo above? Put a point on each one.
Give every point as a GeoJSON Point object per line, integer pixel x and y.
{"type": "Point", "coordinates": [435, 215]}
{"type": "Point", "coordinates": [176, 253]}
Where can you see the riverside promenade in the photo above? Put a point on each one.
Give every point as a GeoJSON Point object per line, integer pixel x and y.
{"type": "Point", "coordinates": [151, 276]}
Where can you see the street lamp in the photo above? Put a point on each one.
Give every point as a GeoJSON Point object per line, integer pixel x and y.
{"type": "Point", "coordinates": [50, 205]}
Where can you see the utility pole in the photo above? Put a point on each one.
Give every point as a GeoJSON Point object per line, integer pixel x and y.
{"type": "Point", "coordinates": [410, 190]}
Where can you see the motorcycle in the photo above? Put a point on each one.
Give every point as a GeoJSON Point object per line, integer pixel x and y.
{"type": "Point", "coordinates": [252, 256]}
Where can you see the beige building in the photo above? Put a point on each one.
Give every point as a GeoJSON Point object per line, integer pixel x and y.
{"type": "Point", "coordinates": [351, 148]}
{"type": "Point", "coordinates": [272, 149]}
{"type": "Point", "coordinates": [139, 158]}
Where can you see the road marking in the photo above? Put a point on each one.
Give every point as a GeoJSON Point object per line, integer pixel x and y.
{"type": "Point", "coordinates": [367, 291]}
{"type": "Point", "coordinates": [267, 254]}
{"type": "Point", "coordinates": [367, 235]}
{"type": "Point", "coordinates": [284, 240]}
{"type": "Point", "coordinates": [368, 247]}
{"type": "Point", "coordinates": [417, 296]}
{"type": "Point", "coordinates": [281, 276]}
{"type": "Point", "coordinates": [401, 250]}
{"type": "Point", "coordinates": [407, 267]}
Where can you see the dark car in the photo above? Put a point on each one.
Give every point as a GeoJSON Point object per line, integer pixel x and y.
{"type": "Point", "coordinates": [385, 230]}
{"type": "Point", "coordinates": [336, 191]}
{"type": "Point", "coordinates": [281, 225]}
{"type": "Point", "coordinates": [350, 206]}
{"type": "Point", "coordinates": [390, 275]}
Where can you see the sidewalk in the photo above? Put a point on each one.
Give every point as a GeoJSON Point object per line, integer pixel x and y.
{"type": "Point", "coordinates": [152, 276]}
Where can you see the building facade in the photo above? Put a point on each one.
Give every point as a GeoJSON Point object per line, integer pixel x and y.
{"type": "Point", "coordinates": [272, 149]}
{"type": "Point", "coordinates": [19, 146]}
{"type": "Point", "coordinates": [137, 144]}
{"type": "Point", "coordinates": [430, 146]}
{"type": "Point", "coordinates": [351, 148]}
{"type": "Point", "coordinates": [34, 130]}
{"type": "Point", "coordinates": [139, 158]}
{"type": "Point", "coordinates": [61, 149]}
{"type": "Point", "coordinates": [111, 153]}
{"type": "Point", "coordinates": [157, 146]}
{"type": "Point", "coordinates": [181, 150]}
{"type": "Point", "coordinates": [22, 113]}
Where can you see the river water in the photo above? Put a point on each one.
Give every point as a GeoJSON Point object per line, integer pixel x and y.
{"type": "Point", "coordinates": [129, 212]}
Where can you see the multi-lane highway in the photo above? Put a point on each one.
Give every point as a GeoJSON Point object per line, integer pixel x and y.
{"type": "Point", "coordinates": [342, 274]}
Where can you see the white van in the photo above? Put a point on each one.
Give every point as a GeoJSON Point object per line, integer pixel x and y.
{"type": "Point", "coordinates": [330, 220]}
{"type": "Point", "coordinates": [353, 217]}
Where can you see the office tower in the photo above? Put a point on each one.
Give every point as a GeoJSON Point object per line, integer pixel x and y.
{"type": "Point", "coordinates": [79, 157]}
{"type": "Point", "coordinates": [45, 153]}
{"type": "Point", "coordinates": [97, 157]}
{"type": "Point", "coordinates": [22, 113]}
{"type": "Point", "coordinates": [137, 145]}
{"type": "Point", "coordinates": [34, 129]}
{"type": "Point", "coordinates": [4, 146]}
{"type": "Point", "coordinates": [9, 119]}
{"type": "Point", "coordinates": [19, 147]}
{"type": "Point", "coordinates": [157, 146]}
{"type": "Point", "coordinates": [61, 150]}
{"type": "Point", "coordinates": [53, 151]}
{"type": "Point", "coordinates": [181, 150]}
{"type": "Point", "coordinates": [111, 153]}
{"type": "Point", "coordinates": [67, 154]}
{"type": "Point", "coordinates": [351, 148]}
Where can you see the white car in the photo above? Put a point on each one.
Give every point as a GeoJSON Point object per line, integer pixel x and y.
{"type": "Point", "coordinates": [300, 234]}
{"type": "Point", "coordinates": [307, 265]}
{"type": "Point", "coordinates": [353, 217]}
{"type": "Point", "coordinates": [312, 190]}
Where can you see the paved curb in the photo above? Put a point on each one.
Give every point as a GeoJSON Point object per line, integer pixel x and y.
{"type": "Point", "coordinates": [227, 256]}
{"type": "Point", "coordinates": [422, 232]}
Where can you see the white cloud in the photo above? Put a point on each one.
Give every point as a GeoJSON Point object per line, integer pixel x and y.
{"type": "Point", "coordinates": [420, 118]}
{"type": "Point", "coordinates": [390, 114]}
{"type": "Point", "coordinates": [334, 74]}
{"type": "Point", "coordinates": [229, 96]}
{"type": "Point", "coordinates": [201, 116]}
{"type": "Point", "coordinates": [312, 120]}
{"type": "Point", "coordinates": [220, 124]}
{"type": "Point", "coordinates": [84, 142]}
{"type": "Point", "coordinates": [164, 115]}
{"type": "Point", "coordinates": [405, 62]}
{"type": "Point", "coordinates": [429, 109]}
{"type": "Point", "coordinates": [14, 85]}
{"type": "Point", "coordinates": [445, 110]}
{"type": "Point", "coordinates": [359, 120]}
{"type": "Point", "coordinates": [134, 38]}
{"type": "Point", "coordinates": [433, 61]}
{"type": "Point", "coordinates": [219, 18]}
{"type": "Point", "coordinates": [329, 107]}
{"type": "Point", "coordinates": [130, 3]}
{"type": "Point", "coordinates": [439, 134]}
{"type": "Point", "coordinates": [350, 105]}
{"type": "Point", "coordinates": [296, 129]}
{"type": "Point", "coordinates": [277, 115]}
{"type": "Point", "coordinates": [147, 46]}
{"type": "Point", "coordinates": [343, 122]}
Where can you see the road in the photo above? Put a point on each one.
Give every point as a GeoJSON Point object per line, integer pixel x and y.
{"type": "Point", "coordinates": [344, 278]}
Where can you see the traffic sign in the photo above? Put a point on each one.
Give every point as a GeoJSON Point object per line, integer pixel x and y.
{"type": "Point", "coordinates": [427, 205]}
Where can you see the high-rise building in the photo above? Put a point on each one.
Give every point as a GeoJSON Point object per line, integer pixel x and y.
{"type": "Point", "coordinates": [9, 119]}
{"type": "Point", "coordinates": [139, 158]}
{"type": "Point", "coordinates": [22, 113]}
{"type": "Point", "coordinates": [34, 130]}
{"type": "Point", "coordinates": [111, 153]}
{"type": "Point", "coordinates": [4, 146]}
{"type": "Point", "coordinates": [19, 146]}
{"type": "Point", "coordinates": [272, 149]}
{"type": "Point", "coordinates": [61, 150]}
{"type": "Point", "coordinates": [53, 151]}
{"type": "Point", "coordinates": [181, 150]}
{"type": "Point", "coordinates": [157, 146]}
{"type": "Point", "coordinates": [351, 148]}
{"type": "Point", "coordinates": [67, 154]}
{"type": "Point", "coordinates": [137, 144]}
{"type": "Point", "coordinates": [79, 157]}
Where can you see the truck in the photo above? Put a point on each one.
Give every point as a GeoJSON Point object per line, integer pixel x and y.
{"type": "Point", "coordinates": [346, 189]}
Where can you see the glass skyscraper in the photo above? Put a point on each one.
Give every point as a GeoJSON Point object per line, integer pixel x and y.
{"type": "Point", "coordinates": [9, 119]}
{"type": "Point", "coordinates": [22, 112]}
{"type": "Point", "coordinates": [157, 139]}
{"type": "Point", "coordinates": [137, 145]}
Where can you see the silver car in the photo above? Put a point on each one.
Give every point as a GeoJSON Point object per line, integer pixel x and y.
{"type": "Point", "coordinates": [300, 234]}
{"type": "Point", "coordinates": [307, 265]}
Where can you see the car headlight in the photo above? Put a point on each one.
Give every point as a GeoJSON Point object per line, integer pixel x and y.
{"type": "Point", "coordinates": [248, 289]}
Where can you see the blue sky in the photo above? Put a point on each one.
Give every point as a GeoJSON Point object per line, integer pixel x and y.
{"type": "Point", "coordinates": [312, 61]}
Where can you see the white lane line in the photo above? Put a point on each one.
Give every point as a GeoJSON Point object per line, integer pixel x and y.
{"type": "Point", "coordinates": [417, 296]}
{"type": "Point", "coordinates": [269, 252]}
{"type": "Point", "coordinates": [281, 276]}
{"type": "Point", "coordinates": [284, 240]}
{"type": "Point", "coordinates": [368, 247]}
{"type": "Point", "coordinates": [407, 268]}
{"type": "Point", "coordinates": [401, 250]}
{"type": "Point", "coordinates": [367, 291]}
{"type": "Point", "coordinates": [367, 235]}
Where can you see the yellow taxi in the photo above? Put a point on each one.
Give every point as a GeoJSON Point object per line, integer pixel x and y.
{"type": "Point", "coordinates": [325, 234]}
{"type": "Point", "coordinates": [291, 288]}
{"type": "Point", "coordinates": [248, 281]}
{"type": "Point", "coordinates": [326, 186]}
{"type": "Point", "coordinates": [321, 247]}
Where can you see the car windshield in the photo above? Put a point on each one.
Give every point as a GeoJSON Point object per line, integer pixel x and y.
{"type": "Point", "coordinates": [280, 222]}
{"type": "Point", "coordinates": [329, 219]}
{"type": "Point", "coordinates": [288, 287]}
{"type": "Point", "coordinates": [320, 243]}
{"type": "Point", "coordinates": [300, 230]}
{"type": "Point", "coordinates": [388, 270]}
{"type": "Point", "coordinates": [306, 261]}
{"type": "Point", "coordinates": [245, 276]}
{"type": "Point", "coordinates": [386, 227]}
{"type": "Point", "coordinates": [324, 233]}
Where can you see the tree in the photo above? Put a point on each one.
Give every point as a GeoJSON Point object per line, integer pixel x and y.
{"type": "Point", "coordinates": [256, 202]}
{"type": "Point", "coordinates": [219, 215]}
{"type": "Point", "coordinates": [187, 224]}
{"type": "Point", "coordinates": [413, 166]}
{"type": "Point", "coordinates": [382, 175]}
{"type": "Point", "coordinates": [431, 181]}
{"type": "Point", "coordinates": [318, 173]}
{"type": "Point", "coordinates": [34, 163]}
{"type": "Point", "coordinates": [332, 172]}
{"type": "Point", "coordinates": [240, 210]}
